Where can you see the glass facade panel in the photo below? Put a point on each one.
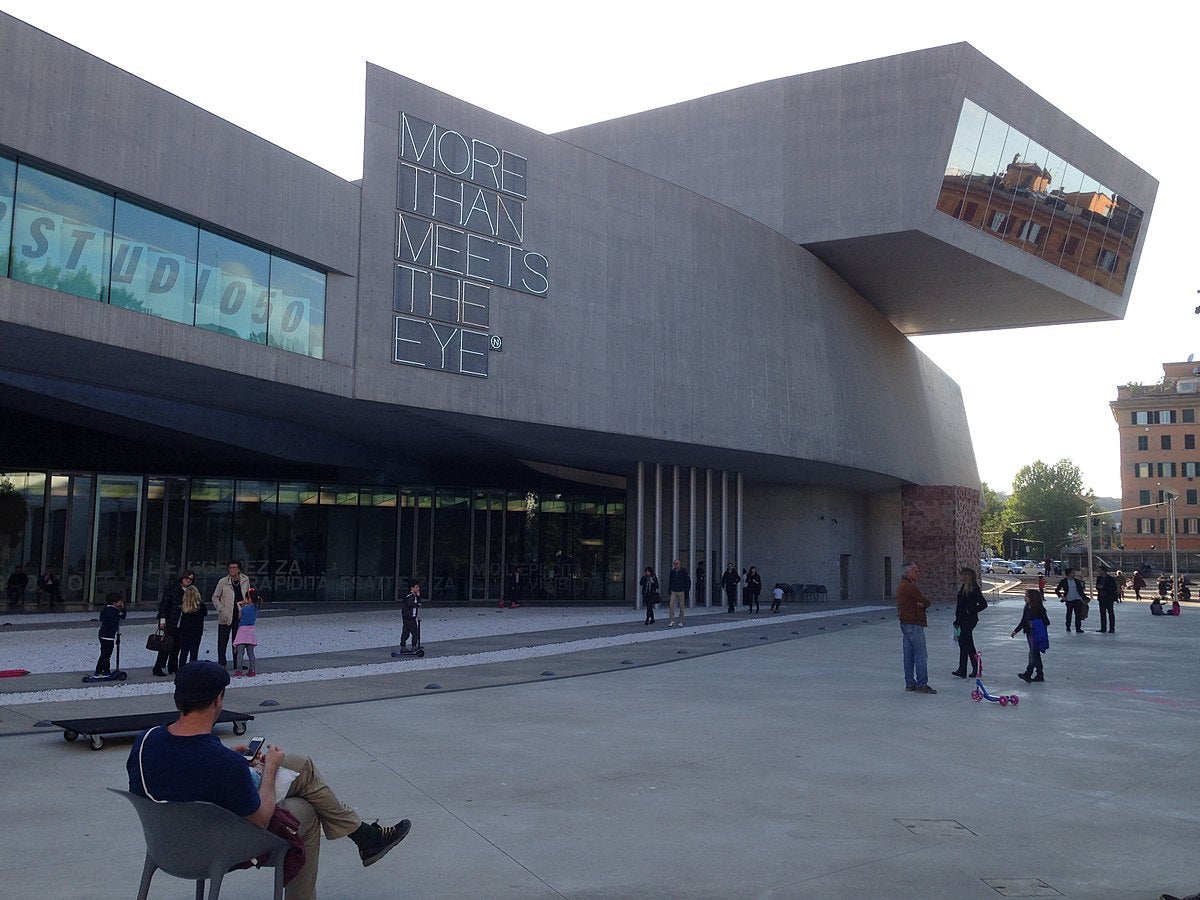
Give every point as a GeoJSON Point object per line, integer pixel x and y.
{"type": "Point", "coordinates": [232, 288]}
{"type": "Point", "coordinates": [8, 186]}
{"type": "Point", "coordinates": [999, 180]}
{"type": "Point", "coordinates": [209, 531]}
{"type": "Point", "coordinates": [154, 264]}
{"type": "Point", "coordinates": [297, 308]}
{"type": "Point", "coordinates": [451, 546]}
{"type": "Point", "coordinates": [61, 234]}
{"type": "Point", "coordinates": [310, 542]}
{"type": "Point", "coordinates": [376, 569]}
{"type": "Point", "coordinates": [299, 544]}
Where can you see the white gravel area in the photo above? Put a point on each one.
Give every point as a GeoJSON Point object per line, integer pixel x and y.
{"type": "Point", "coordinates": [294, 635]}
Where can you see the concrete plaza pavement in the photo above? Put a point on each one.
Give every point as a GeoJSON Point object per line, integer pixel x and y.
{"type": "Point", "coordinates": [781, 759]}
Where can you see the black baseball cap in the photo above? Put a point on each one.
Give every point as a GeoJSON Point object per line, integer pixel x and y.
{"type": "Point", "coordinates": [200, 681]}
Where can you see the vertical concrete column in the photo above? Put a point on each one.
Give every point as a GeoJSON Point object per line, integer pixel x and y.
{"type": "Point", "coordinates": [658, 505]}
{"type": "Point", "coordinates": [740, 552]}
{"type": "Point", "coordinates": [674, 512]}
{"type": "Point", "coordinates": [724, 520]}
{"type": "Point", "coordinates": [940, 526]}
{"type": "Point", "coordinates": [708, 536]}
{"type": "Point", "coordinates": [640, 555]}
{"type": "Point", "coordinates": [692, 532]}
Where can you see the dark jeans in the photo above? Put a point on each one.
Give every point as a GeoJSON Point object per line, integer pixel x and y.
{"type": "Point", "coordinates": [1076, 607]}
{"type": "Point", "coordinates": [224, 633]}
{"type": "Point", "coordinates": [189, 646]}
{"type": "Point", "coordinates": [102, 664]}
{"type": "Point", "coordinates": [731, 600]}
{"type": "Point", "coordinates": [169, 658]}
{"type": "Point", "coordinates": [1035, 660]}
{"type": "Point", "coordinates": [411, 628]}
{"type": "Point", "coordinates": [1108, 620]}
{"type": "Point", "coordinates": [966, 650]}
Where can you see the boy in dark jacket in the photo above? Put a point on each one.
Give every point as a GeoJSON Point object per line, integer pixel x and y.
{"type": "Point", "coordinates": [110, 624]}
{"type": "Point", "coordinates": [410, 608]}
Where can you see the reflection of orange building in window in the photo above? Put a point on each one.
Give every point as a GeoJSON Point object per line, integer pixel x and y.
{"type": "Point", "coordinates": [1089, 234]}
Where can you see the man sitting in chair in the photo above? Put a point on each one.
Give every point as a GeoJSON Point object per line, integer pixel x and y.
{"type": "Point", "coordinates": [185, 761]}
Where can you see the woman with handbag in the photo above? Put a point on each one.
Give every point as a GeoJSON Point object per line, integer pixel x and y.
{"type": "Point", "coordinates": [191, 625]}
{"type": "Point", "coordinates": [170, 608]}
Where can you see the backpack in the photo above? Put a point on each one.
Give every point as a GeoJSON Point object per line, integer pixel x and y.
{"type": "Point", "coordinates": [1038, 635]}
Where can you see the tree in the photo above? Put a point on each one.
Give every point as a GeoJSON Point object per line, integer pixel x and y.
{"type": "Point", "coordinates": [1045, 504]}
{"type": "Point", "coordinates": [991, 520]}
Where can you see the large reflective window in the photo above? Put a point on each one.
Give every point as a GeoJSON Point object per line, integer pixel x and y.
{"type": "Point", "coordinates": [154, 264]}
{"type": "Point", "coordinates": [232, 288]}
{"type": "Point", "coordinates": [61, 234]}
{"type": "Point", "coordinates": [8, 186]}
{"type": "Point", "coordinates": [1007, 185]}
{"type": "Point", "coordinates": [297, 308]}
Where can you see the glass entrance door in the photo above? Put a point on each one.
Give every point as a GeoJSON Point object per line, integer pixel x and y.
{"type": "Point", "coordinates": [116, 537]}
{"type": "Point", "coordinates": [487, 546]}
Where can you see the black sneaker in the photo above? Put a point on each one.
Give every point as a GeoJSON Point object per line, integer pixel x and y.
{"type": "Point", "coordinates": [389, 837]}
{"type": "Point", "coordinates": [924, 689]}
{"type": "Point", "coordinates": [1037, 677]}
{"type": "Point", "coordinates": [910, 687]}
{"type": "Point", "coordinates": [1025, 677]}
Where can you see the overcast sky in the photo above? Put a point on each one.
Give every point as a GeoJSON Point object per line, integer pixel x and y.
{"type": "Point", "coordinates": [294, 74]}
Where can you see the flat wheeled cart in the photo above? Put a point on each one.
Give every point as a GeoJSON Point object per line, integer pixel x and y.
{"type": "Point", "coordinates": [92, 729]}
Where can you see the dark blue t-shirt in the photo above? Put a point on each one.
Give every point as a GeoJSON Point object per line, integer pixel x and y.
{"type": "Point", "coordinates": [198, 767]}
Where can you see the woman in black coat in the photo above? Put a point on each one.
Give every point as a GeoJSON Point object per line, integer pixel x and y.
{"type": "Point", "coordinates": [650, 594]}
{"type": "Point", "coordinates": [966, 617]}
{"type": "Point", "coordinates": [170, 608]}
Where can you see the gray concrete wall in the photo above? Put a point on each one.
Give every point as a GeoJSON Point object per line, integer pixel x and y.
{"type": "Point", "coordinates": [860, 151]}
{"type": "Point", "coordinates": [668, 316]}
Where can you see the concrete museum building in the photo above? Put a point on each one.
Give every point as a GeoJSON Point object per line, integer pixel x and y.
{"type": "Point", "coordinates": [681, 333]}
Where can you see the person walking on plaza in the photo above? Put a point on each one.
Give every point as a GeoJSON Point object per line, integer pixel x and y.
{"type": "Point", "coordinates": [1137, 583]}
{"type": "Point", "coordinates": [752, 589]}
{"type": "Point", "coordinates": [678, 584]}
{"type": "Point", "coordinates": [246, 638]}
{"type": "Point", "coordinates": [1037, 634]}
{"type": "Point", "coordinates": [776, 597]}
{"type": "Point", "coordinates": [191, 624]}
{"type": "Point", "coordinates": [650, 595]}
{"type": "Point", "coordinates": [910, 609]}
{"type": "Point", "coordinates": [701, 598]}
{"type": "Point", "coordinates": [227, 598]}
{"type": "Point", "coordinates": [1106, 595]}
{"type": "Point", "coordinates": [186, 762]}
{"type": "Point", "coordinates": [170, 608]}
{"type": "Point", "coordinates": [970, 604]}
{"type": "Point", "coordinates": [729, 582]}
{"type": "Point", "coordinates": [1072, 592]}
{"type": "Point", "coordinates": [1122, 583]}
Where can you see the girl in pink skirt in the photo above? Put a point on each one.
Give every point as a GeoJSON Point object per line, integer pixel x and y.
{"type": "Point", "coordinates": [246, 638]}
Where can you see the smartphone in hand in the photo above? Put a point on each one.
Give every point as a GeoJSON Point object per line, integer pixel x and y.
{"type": "Point", "coordinates": [256, 744]}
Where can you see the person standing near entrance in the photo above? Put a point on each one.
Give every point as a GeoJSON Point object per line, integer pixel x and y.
{"type": "Point", "coordinates": [231, 591]}
{"type": "Point", "coordinates": [1107, 591]}
{"type": "Point", "coordinates": [910, 609]}
{"type": "Point", "coordinates": [170, 609]}
{"type": "Point", "coordinates": [678, 583]}
{"type": "Point", "coordinates": [752, 589]}
{"type": "Point", "coordinates": [700, 595]}
{"type": "Point", "coordinates": [729, 582]}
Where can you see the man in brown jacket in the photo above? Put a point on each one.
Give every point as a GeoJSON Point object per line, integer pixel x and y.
{"type": "Point", "coordinates": [910, 609]}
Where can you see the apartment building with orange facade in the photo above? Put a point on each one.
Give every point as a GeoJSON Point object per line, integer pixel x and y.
{"type": "Point", "coordinates": [1158, 430]}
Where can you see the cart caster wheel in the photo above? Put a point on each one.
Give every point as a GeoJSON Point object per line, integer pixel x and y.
{"type": "Point", "coordinates": [1003, 700]}
{"type": "Point", "coordinates": [97, 742]}
{"type": "Point", "coordinates": [70, 736]}
{"type": "Point", "coordinates": [976, 696]}
{"type": "Point", "coordinates": [1014, 699]}
{"type": "Point", "coordinates": [121, 676]}
{"type": "Point", "coordinates": [239, 727]}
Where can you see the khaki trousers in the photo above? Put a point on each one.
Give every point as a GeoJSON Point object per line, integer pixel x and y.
{"type": "Point", "coordinates": [312, 801]}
